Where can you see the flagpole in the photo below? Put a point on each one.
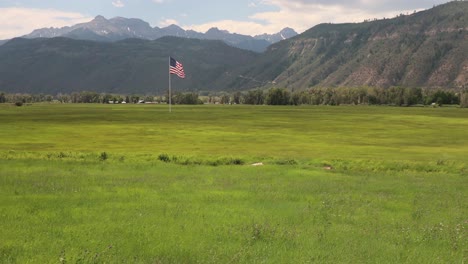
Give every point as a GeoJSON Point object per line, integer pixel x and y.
{"type": "Point", "coordinates": [170, 96]}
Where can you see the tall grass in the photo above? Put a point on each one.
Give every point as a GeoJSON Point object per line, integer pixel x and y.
{"type": "Point", "coordinates": [101, 212]}
{"type": "Point", "coordinates": [135, 184]}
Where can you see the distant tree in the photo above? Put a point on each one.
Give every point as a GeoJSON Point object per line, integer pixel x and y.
{"type": "Point", "coordinates": [225, 99]}
{"type": "Point", "coordinates": [304, 97]}
{"type": "Point", "coordinates": [395, 95]}
{"type": "Point", "coordinates": [295, 99]}
{"type": "Point", "coordinates": [254, 97]}
{"type": "Point", "coordinates": [88, 97]}
{"type": "Point", "coordinates": [464, 99]}
{"type": "Point", "coordinates": [413, 96]}
{"type": "Point", "coordinates": [149, 98]}
{"type": "Point", "coordinates": [278, 96]}
{"type": "Point", "coordinates": [316, 96]}
{"type": "Point", "coordinates": [236, 98]}
{"type": "Point", "coordinates": [186, 98]}
{"type": "Point", "coordinates": [363, 96]}
{"type": "Point", "coordinates": [442, 97]}
{"type": "Point", "coordinates": [105, 98]}
{"type": "Point", "coordinates": [329, 96]}
{"type": "Point", "coordinates": [63, 98]}
{"type": "Point", "coordinates": [134, 99]}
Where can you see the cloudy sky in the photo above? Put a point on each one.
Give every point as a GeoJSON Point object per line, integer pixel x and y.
{"type": "Point", "coordinates": [19, 17]}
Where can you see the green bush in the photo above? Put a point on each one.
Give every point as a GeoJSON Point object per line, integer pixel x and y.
{"type": "Point", "coordinates": [164, 158]}
{"type": "Point", "coordinates": [287, 162]}
{"type": "Point", "coordinates": [103, 156]}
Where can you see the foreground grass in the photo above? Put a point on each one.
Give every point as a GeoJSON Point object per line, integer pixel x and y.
{"type": "Point", "coordinates": [161, 213]}
{"type": "Point", "coordinates": [87, 184]}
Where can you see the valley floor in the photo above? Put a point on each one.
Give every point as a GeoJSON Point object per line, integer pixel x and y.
{"type": "Point", "coordinates": [120, 184]}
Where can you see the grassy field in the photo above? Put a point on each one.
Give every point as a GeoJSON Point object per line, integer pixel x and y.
{"type": "Point", "coordinates": [136, 184]}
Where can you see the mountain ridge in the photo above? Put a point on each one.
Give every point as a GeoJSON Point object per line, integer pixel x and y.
{"type": "Point", "coordinates": [426, 49]}
{"type": "Point", "coordinates": [119, 28]}
{"type": "Point", "coordinates": [64, 65]}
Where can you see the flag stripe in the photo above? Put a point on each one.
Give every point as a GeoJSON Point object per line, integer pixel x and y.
{"type": "Point", "coordinates": [176, 68]}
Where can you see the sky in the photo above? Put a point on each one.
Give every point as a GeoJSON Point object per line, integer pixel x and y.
{"type": "Point", "coordinates": [250, 17]}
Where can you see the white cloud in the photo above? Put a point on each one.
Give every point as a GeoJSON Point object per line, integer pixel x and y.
{"type": "Point", "coordinates": [15, 22]}
{"type": "Point", "coordinates": [118, 3]}
{"type": "Point", "coordinates": [168, 22]}
{"type": "Point", "coordinates": [252, 5]}
{"type": "Point", "coordinates": [300, 15]}
{"type": "Point", "coordinates": [241, 27]}
{"type": "Point", "coordinates": [159, 1]}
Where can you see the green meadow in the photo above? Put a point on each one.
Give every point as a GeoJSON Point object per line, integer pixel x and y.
{"type": "Point", "coordinates": [137, 184]}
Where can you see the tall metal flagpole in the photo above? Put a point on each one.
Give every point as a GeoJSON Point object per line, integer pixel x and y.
{"type": "Point", "coordinates": [170, 96]}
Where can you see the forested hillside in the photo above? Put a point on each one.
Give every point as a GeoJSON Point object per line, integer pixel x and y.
{"type": "Point", "coordinates": [425, 49]}
{"type": "Point", "coordinates": [61, 65]}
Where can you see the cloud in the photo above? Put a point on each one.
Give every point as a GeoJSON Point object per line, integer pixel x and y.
{"type": "Point", "coordinates": [168, 22]}
{"type": "Point", "coordinates": [159, 1]}
{"type": "Point", "coordinates": [304, 14]}
{"type": "Point", "coordinates": [233, 26]}
{"type": "Point", "coordinates": [252, 5]}
{"type": "Point", "coordinates": [368, 5]}
{"type": "Point", "coordinates": [15, 22]}
{"type": "Point", "coordinates": [118, 3]}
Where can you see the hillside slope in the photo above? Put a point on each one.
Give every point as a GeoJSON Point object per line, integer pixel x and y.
{"type": "Point", "coordinates": [61, 65]}
{"type": "Point", "coordinates": [428, 48]}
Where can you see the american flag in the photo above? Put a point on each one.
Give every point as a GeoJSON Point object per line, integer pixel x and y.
{"type": "Point", "coordinates": [176, 68]}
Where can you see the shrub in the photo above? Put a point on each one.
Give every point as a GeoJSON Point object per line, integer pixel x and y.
{"type": "Point", "coordinates": [103, 156]}
{"type": "Point", "coordinates": [286, 162]}
{"type": "Point", "coordinates": [164, 158]}
{"type": "Point", "coordinates": [19, 103]}
{"type": "Point", "coordinates": [237, 161]}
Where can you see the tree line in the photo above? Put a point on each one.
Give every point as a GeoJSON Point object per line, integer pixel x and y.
{"type": "Point", "coordinates": [396, 96]}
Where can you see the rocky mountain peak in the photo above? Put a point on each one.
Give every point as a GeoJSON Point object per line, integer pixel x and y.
{"type": "Point", "coordinates": [119, 28]}
{"type": "Point", "coordinates": [99, 18]}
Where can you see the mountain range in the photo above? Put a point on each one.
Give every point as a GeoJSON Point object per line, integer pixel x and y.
{"type": "Point", "coordinates": [424, 49]}
{"type": "Point", "coordinates": [119, 28]}
{"type": "Point", "coordinates": [64, 65]}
